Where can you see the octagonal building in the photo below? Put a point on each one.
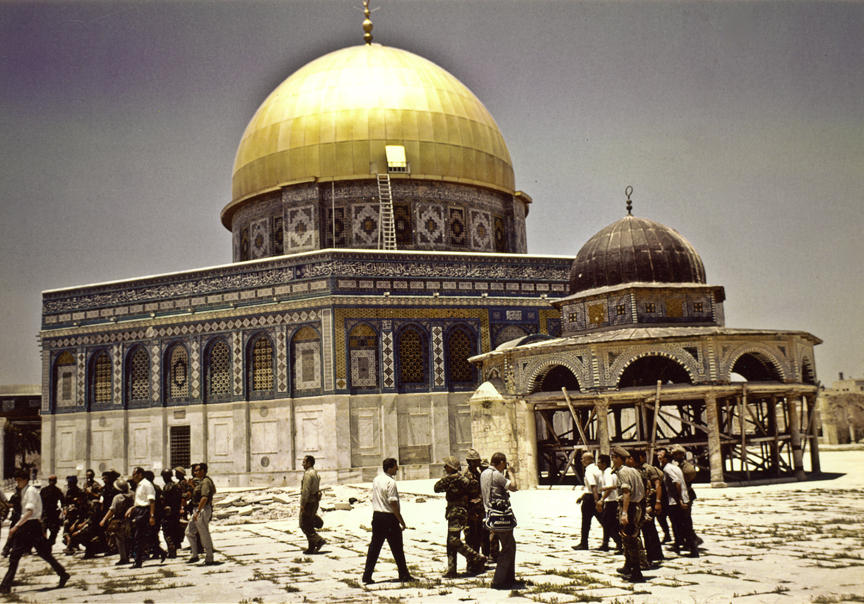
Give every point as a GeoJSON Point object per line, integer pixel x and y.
{"type": "Point", "coordinates": [378, 243]}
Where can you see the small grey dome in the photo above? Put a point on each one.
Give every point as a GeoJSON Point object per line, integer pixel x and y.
{"type": "Point", "coordinates": [634, 250]}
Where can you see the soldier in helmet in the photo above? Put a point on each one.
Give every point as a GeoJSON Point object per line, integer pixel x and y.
{"type": "Point", "coordinates": [457, 489]}
{"type": "Point", "coordinates": [476, 535]}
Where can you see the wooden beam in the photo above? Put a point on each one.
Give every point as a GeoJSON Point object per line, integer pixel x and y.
{"type": "Point", "coordinates": [573, 414]}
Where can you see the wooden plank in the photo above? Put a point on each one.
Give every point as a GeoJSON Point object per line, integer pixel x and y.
{"type": "Point", "coordinates": [573, 414]}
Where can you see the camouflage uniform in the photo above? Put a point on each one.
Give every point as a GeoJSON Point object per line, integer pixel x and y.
{"type": "Point", "coordinates": [476, 535]}
{"type": "Point", "coordinates": [651, 539]}
{"type": "Point", "coordinates": [457, 488]}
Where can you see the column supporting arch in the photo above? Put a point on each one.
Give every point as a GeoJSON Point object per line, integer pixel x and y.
{"type": "Point", "coordinates": [715, 455]}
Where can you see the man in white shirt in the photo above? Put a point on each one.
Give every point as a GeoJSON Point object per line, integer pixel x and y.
{"type": "Point", "coordinates": [387, 522]}
{"type": "Point", "coordinates": [142, 516]}
{"type": "Point", "coordinates": [679, 505]}
{"type": "Point", "coordinates": [27, 533]}
{"type": "Point", "coordinates": [607, 505]}
{"type": "Point", "coordinates": [593, 478]}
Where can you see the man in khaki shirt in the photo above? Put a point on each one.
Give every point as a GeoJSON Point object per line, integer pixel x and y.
{"type": "Point", "coordinates": [310, 496]}
{"type": "Point", "coordinates": [632, 490]}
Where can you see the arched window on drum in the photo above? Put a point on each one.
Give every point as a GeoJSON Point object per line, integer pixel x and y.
{"type": "Point", "coordinates": [138, 376]}
{"type": "Point", "coordinates": [65, 380]}
{"type": "Point", "coordinates": [461, 344]}
{"type": "Point", "coordinates": [363, 353]}
{"type": "Point", "coordinates": [306, 358]}
{"type": "Point", "coordinates": [412, 355]}
{"type": "Point", "coordinates": [261, 367]}
{"type": "Point", "coordinates": [100, 378]}
{"type": "Point", "coordinates": [177, 375]}
{"type": "Point", "coordinates": [218, 373]}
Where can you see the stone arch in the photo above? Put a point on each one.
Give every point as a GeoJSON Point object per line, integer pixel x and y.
{"type": "Point", "coordinates": [764, 354]}
{"type": "Point", "coordinates": [667, 366]}
{"type": "Point", "coordinates": [808, 370]}
{"type": "Point", "coordinates": [535, 373]}
{"type": "Point", "coordinates": [673, 353]}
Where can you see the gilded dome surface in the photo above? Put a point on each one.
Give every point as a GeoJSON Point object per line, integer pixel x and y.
{"type": "Point", "coordinates": [331, 119]}
{"type": "Point", "coordinates": [634, 250]}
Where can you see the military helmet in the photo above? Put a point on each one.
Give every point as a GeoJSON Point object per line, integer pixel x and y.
{"type": "Point", "coordinates": [452, 463]}
{"type": "Point", "coordinates": [472, 455]}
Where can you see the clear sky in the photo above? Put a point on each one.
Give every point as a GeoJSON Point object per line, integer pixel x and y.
{"type": "Point", "coordinates": [739, 124]}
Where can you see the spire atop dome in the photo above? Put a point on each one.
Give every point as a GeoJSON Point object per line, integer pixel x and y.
{"type": "Point", "coordinates": [367, 23]}
{"type": "Point", "coordinates": [628, 192]}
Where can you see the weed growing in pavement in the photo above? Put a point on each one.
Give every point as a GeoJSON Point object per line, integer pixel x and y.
{"type": "Point", "coordinates": [167, 572]}
{"type": "Point", "coordinates": [351, 582]}
{"type": "Point", "coordinates": [578, 577]}
{"type": "Point", "coordinates": [831, 599]}
{"type": "Point", "coordinates": [291, 589]}
{"type": "Point", "coordinates": [302, 560]}
{"type": "Point", "coordinates": [571, 589]}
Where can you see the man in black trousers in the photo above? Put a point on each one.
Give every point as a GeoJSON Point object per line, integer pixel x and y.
{"type": "Point", "coordinates": [27, 533]}
{"type": "Point", "coordinates": [387, 522]}
{"type": "Point", "coordinates": [593, 479]}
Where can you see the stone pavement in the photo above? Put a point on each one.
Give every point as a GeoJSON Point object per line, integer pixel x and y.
{"type": "Point", "coordinates": [795, 542]}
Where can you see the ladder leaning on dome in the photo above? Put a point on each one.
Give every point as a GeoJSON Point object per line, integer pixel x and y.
{"type": "Point", "coordinates": [386, 222]}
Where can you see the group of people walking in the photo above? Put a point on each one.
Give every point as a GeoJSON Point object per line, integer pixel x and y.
{"type": "Point", "coordinates": [625, 492]}
{"type": "Point", "coordinates": [480, 520]}
{"type": "Point", "coordinates": [119, 516]}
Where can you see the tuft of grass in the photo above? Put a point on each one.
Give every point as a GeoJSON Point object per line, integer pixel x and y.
{"type": "Point", "coordinates": [353, 583]}
{"type": "Point", "coordinates": [291, 589]}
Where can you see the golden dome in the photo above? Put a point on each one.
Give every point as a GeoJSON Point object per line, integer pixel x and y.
{"type": "Point", "coordinates": [331, 119]}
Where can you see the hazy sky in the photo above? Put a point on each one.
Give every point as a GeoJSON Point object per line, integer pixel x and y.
{"type": "Point", "coordinates": [739, 124]}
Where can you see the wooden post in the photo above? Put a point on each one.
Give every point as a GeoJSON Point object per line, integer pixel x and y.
{"type": "Point", "coordinates": [715, 456]}
{"type": "Point", "coordinates": [742, 402]}
{"type": "Point", "coordinates": [775, 443]}
{"type": "Point", "coordinates": [654, 423]}
{"type": "Point", "coordinates": [795, 436]}
{"type": "Point", "coordinates": [601, 410]}
{"type": "Point", "coordinates": [814, 439]}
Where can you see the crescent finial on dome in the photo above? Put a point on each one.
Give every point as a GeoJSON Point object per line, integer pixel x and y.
{"type": "Point", "coordinates": [628, 192]}
{"type": "Point", "coordinates": [367, 23]}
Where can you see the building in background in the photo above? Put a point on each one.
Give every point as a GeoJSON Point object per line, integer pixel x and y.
{"type": "Point", "coordinates": [645, 360]}
{"type": "Point", "coordinates": [841, 409]}
{"type": "Point", "coordinates": [20, 427]}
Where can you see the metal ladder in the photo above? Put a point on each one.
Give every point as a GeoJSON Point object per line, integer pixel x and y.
{"type": "Point", "coordinates": [386, 221]}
